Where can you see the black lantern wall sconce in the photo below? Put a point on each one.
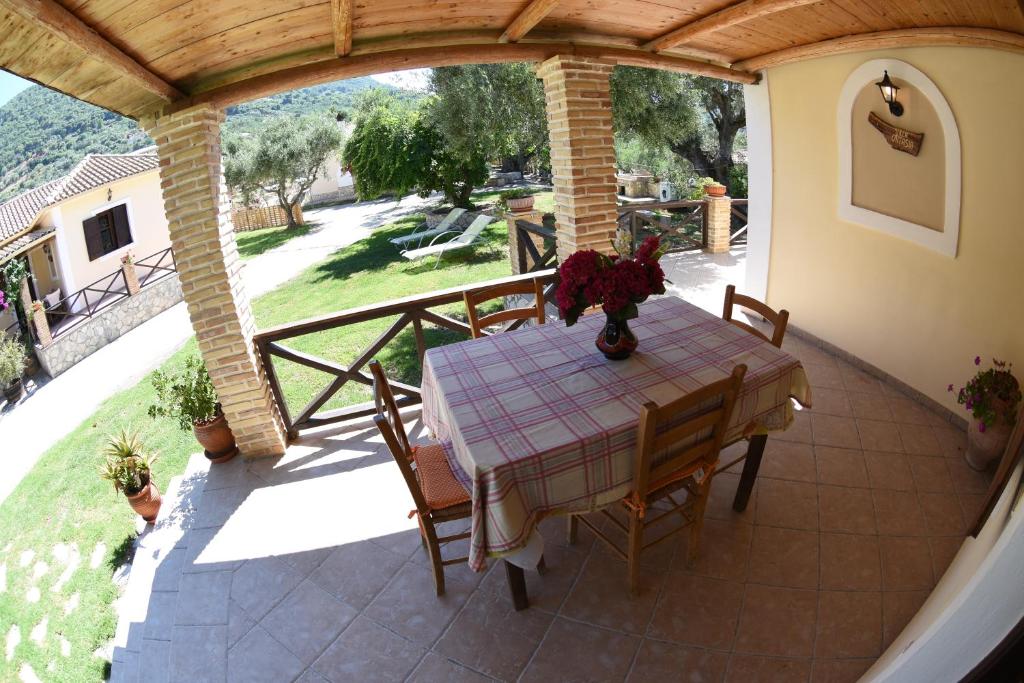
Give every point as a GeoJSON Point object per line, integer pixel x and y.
{"type": "Point", "coordinates": [889, 94]}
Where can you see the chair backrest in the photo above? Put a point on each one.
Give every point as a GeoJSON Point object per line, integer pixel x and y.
{"type": "Point", "coordinates": [695, 423]}
{"type": "Point", "coordinates": [474, 229]}
{"type": "Point", "coordinates": [452, 216]}
{"type": "Point", "coordinates": [389, 422]}
{"type": "Point", "coordinates": [474, 297]}
{"type": "Point", "coordinates": [779, 319]}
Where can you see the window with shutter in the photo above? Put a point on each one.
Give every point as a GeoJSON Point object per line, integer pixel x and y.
{"type": "Point", "coordinates": [93, 245]}
{"type": "Point", "coordinates": [107, 231]}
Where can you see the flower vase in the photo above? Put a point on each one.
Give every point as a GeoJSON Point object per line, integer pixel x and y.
{"type": "Point", "coordinates": [986, 447]}
{"type": "Point", "coordinates": [616, 341]}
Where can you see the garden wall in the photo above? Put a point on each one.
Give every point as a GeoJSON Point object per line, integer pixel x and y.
{"type": "Point", "coordinates": [107, 325]}
{"type": "Point", "coordinates": [259, 217]}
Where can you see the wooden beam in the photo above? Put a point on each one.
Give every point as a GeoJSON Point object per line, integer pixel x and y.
{"type": "Point", "coordinates": [722, 19]}
{"type": "Point", "coordinates": [328, 70]}
{"type": "Point", "coordinates": [341, 21]}
{"type": "Point", "coordinates": [940, 36]}
{"type": "Point", "coordinates": [66, 26]}
{"type": "Point", "coordinates": [527, 19]}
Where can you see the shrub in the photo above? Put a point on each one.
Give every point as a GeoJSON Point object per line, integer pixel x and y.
{"type": "Point", "coordinates": [127, 466]}
{"type": "Point", "coordinates": [188, 396]}
{"type": "Point", "coordinates": [12, 360]}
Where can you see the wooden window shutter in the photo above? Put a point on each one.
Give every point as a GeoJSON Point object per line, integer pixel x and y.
{"type": "Point", "coordinates": [121, 229]}
{"type": "Point", "coordinates": [93, 243]}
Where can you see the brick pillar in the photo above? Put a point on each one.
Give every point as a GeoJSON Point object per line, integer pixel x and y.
{"type": "Point", "coordinates": [199, 216]}
{"type": "Point", "coordinates": [42, 325]}
{"type": "Point", "coordinates": [719, 212]}
{"type": "Point", "coordinates": [530, 215]}
{"type": "Point", "coordinates": [579, 110]}
{"type": "Point", "coordinates": [131, 277]}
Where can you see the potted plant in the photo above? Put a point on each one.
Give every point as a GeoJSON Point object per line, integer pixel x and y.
{"type": "Point", "coordinates": [992, 396]}
{"type": "Point", "coordinates": [129, 469]}
{"type": "Point", "coordinates": [12, 365]}
{"type": "Point", "coordinates": [189, 398]}
{"type": "Point", "coordinates": [518, 199]}
{"type": "Point", "coordinates": [714, 189]}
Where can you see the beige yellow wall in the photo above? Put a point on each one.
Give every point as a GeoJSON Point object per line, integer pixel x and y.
{"type": "Point", "coordinates": [917, 315]}
{"type": "Point", "coordinates": [41, 269]}
{"type": "Point", "coordinates": [145, 215]}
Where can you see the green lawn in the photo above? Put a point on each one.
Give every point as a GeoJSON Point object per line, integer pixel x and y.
{"type": "Point", "coordinates": [254, 242]}
{"type": "Point", "coordinates": [63, 500]}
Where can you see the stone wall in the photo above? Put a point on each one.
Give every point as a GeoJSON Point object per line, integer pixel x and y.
{"type": "Point", "coordinates": [90, 336]}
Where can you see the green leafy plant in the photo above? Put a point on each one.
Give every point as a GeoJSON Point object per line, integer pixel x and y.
{"type": "Point", "coordinates": [127, 465]}
{"type": "Point", "coordinates": [188, 396]}
{"type": "Point", "coordinates": [514, 193]}
{"type": "Point", "coordinates": [12, 360]}
{"type": "Point", "coordinates": [698, 189]}
{"type": "Point", "coordinates": [992, 395]}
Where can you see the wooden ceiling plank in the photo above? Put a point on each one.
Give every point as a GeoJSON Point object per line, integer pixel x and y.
{"type": "Point", "coordinates": [730, 16]}
{"type": "Point", "coordinates": [938, 36]}
{"type": "Point", "coordinates": [527, 19]}
{"type": "Point", "coordinates": [69, 28]}
{"type": "Point", "coordinates": [341, 20]}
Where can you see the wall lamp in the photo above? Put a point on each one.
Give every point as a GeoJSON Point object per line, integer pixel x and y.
{"type": "Point", "coordinates": [889, 94]}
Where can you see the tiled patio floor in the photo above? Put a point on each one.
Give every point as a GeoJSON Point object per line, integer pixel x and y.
{"type": "Point", "coordinates": [308, 569]}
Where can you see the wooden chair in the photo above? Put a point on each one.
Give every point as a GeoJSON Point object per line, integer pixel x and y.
{"type": "Point", "coordinates": [778, 319]}
{"type": "Point", "coordinates": [437, 494]}
{"type": "Point", "coordinates": [677, 448]}
{"type": "Point", "coordinates": [474, 297]}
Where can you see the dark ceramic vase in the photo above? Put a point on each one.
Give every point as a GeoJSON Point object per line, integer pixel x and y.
{"type": "Point", "coordinates": [616, 341]}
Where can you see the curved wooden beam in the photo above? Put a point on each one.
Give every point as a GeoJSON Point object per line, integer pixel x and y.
{"type": "Point", "coordinates": [940, 36]}
{"type": "Point", "coordinates": [327, 70]}
{"type": "Point", "coordinates": [67, 27]}
{"type": "Point", "coordinates": [527, 19]}
{"type": "Point", "coordinates": [730, 16]}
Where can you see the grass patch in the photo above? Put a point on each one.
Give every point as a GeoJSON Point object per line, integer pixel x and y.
{"type": "Point", "coordinates": [254, 242]}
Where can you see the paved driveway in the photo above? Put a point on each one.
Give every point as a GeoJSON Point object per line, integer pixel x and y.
{"type": "Point", "coordinates": [58, 406]}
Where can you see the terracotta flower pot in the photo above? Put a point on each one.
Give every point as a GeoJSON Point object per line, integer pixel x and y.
{"type": "Point", "coordinates": [986, 447]}
{"type": "Point", "coordinates": [13, 391]}
{"type": "Point", "coordinates": [216, 439]}
{"type": "Point", "coordinates": [520, 203]}
{"type": "Point", "coordinates": [714, 190]}
{"type": "Point", "coordinates": [146, 502]}
{"type": "Point", "coordinates": [616, 341]}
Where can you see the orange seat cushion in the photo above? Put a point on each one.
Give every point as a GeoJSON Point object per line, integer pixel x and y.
{"type": "Point", "coordinates": [440, 487]}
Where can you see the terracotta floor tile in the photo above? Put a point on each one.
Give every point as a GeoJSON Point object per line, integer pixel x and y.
{"type": "Point", "coordinates": [356, 572]}
{"type": "Point", "coordinates": [723, 491]}
{"type": "Point", "coordinates": [850, 562]}
{"type": "Point", "coordinates": [898, 608]}
{"type": "Point", "coordinates": [919, 440]}
{"type": "Point", "coordinates": [491, 637]}
{"type": "Point", "coordinates": [931, 474]}
{"type": "Point", "coordinates": [827, 430]}
{"type": "Point", "coordinates": [777, 621]}
{"type": "Point", "coordinates": [367, 651]}
{"type": "Point", "coordinates": [944, 549]}
{"type": "Point", "coordinates": [876, 435]}
{"type": "Point", "coordinates": [435, 668]}
{"type": "Point", "coordinates": [908, 411]}
{"type": "Point", "coordinates": [952, 441]}
{"type": "Point", "coordinates": [751, 669]}
{"type": "Point", "coordinates": [888, 471]}
{"type": "Point", "coordinates": [849, 624]}
{"type": "Point", "coordinates": [869, 406]}
{"type": "Point", "coordinates": [402, 606]}
{"type": "Point", "coordinates": [788, 460]}
{"type": "Point", "coordinates": [965, 479]}
{"type": "Point", "coordinates": [906, 563]}
{"type": "Point", "coordinates": [589, 652]}
{"type": "Point", "coordinates": [846, 509]}
{"type": "Point", "coordinates": [789, 504]}
{"type": "Point", "coordinates": [898, 513]}
{"type": "Point", "coordinates": [942, 514]}
{"type": "Point", "coordinates": [657, 662]}
{"type": "Point", "coordinates": [858, 380]}
{"type": "Point", "coordinates": [697, 610]}
{"type": "Point", "coordinates": [546, 592]}
{"type": "Point", "coordinates": [841, 466]}
{"type": "Point", "coordinates": [839, 670]}
{"type": "Point", "coordinates": [784, 557]}
{"type": "Point", "coordinates": [822, 376]}
{"type": "Point", "coordinates": [831, 402]}
{"type": "Point", "coordinates": [601, 595]}
{"type": "Point", "coordinates": [724, 550]}
{"type": "Point", "coordinates": [970, 505]}
{"type": "Point", "coordinates": [807, 351]}
{"type": "Point", "coordinates": [800, 430]}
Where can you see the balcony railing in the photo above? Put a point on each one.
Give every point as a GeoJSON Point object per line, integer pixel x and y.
{"type": "Point", "coordinates": [682, 225]}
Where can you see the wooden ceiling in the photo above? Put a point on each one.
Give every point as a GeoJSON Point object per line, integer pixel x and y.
{"type": "Point", "coordinates": [140, 56]}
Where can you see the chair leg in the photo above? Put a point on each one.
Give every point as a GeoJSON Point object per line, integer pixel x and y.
{"type": "Point", "coordinates": [572, 528]}
{"type": "Point", "coordinates": [698, 522]}
{"type": "Point", "coordinates": [636, 542]}
{"type": "Point", "coordinates": [434, 550]}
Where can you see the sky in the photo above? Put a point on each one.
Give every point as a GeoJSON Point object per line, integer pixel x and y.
{"type": "Point", "coordinates": [10, 85]}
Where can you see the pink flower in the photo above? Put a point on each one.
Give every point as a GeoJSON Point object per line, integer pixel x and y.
{"type": "Point", "coordinates": [949, 388]}
{"type": "Point", "coordinates": [981, 426]}
{"type": "Point", "coordinates": [977, 360]}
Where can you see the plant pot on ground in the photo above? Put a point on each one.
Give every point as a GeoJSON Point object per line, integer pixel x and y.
{"type": "Point", "coordinates": [12, 365]}
{"type": "Point", "coordinates": [130, 470]}
{"type": "Point", "coordinates": [993, 397]}
{"type": "Point", "coordinates": [517, 200]}
{"type": "Point", "coordinates": [189, 398]}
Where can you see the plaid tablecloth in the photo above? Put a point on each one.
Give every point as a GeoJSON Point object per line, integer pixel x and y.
{"type": "Point", "coordinates": [540, 423]}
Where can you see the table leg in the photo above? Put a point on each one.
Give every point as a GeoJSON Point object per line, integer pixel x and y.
{"type": "Point", "coordinates": [517, 585]}
{"type": "Point", "coordinates": [755, 450]}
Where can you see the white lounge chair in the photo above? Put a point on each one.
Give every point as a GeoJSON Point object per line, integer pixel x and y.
{"type": "Point", "coordinates": [423, 232]}
{"type": "Point", "coordinates": [459, 241]}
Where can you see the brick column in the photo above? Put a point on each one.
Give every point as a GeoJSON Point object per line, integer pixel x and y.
{"type": "Point", "coordinates": [199, 216]}
{"type": "Point", "coordinates": [131, 277]}
{"type": "Point", "coordinates": [579, 111]}
{"type": "Point", "coordinates": [42, 325]}
{"type": "Point", "coordinates": [511, 217]}
{"type": "Point", "coordinates": [719, 216]}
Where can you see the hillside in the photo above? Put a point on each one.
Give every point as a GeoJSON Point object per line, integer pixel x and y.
{"type": "Point", "coordinates": [43, 133]}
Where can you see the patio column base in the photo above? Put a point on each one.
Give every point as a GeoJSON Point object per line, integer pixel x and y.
{"type": "Point", "coordinates": [719, 217]}
{"type": "Point", "coordinates": [577, 93]}
{"type": "Point", "coordinates": [210, 271]}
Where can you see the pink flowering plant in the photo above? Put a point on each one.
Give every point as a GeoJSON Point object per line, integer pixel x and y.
{"type": "Point", "coordinates": [3, 302]}
{"type": "Point", "coordinates": [992, 395]}
{"type": "Point", "coordinates": [617, 283]}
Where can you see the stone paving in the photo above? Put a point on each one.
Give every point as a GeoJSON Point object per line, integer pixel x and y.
{"type": "Point", "coordinates": [307, 568]}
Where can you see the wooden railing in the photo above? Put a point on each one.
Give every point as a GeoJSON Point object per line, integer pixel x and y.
{"type": "Point", "coordinates": [156, 267]}
{"type": "Point", "coordinates": [412, 311]}
{"type": "Point", "coordinates": [528, 255]}
{"type": "Point", "coordinates": [682, 225]}
{"type": "Point", "coordinates": [738, 226]}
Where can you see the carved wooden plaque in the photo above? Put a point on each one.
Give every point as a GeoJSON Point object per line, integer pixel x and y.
{"type": "Point", "coordinates": [898, 138]}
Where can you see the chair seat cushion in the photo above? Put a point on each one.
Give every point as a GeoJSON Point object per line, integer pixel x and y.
{"type": "Point", "coordinates": [440, 487]}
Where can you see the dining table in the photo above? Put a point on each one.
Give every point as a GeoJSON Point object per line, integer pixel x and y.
{"type": "Point", "coordinates": [537, 422]}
